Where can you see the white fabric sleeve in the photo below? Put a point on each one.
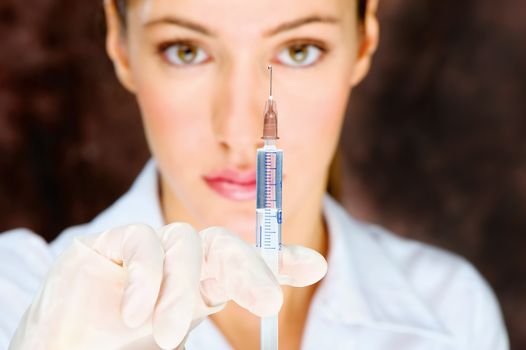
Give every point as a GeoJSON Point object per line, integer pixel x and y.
{"type": "Point", "coordinates": [25, 259]}
{"type": "Point", "coordinates": [488, 328]}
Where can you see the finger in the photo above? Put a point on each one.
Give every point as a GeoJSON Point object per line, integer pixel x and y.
{"type": "Point", "coordinates": [180, 288]}
{"type": "Point", "coordinates": [240, 272]}
{"type": "Point", "coordinates": [301, 266]}
{"type": "Point", "coordinates": [138, 249]}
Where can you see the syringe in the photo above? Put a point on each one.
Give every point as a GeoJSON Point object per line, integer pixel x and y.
{"type": "Point", "coordinates": [269, 208]}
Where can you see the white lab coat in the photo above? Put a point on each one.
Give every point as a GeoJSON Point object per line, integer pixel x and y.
{"type": "Point", "coordinates": [381, 292]}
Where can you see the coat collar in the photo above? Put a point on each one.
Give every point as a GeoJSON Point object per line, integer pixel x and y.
{"type": "Point", "coordinates": [139, 204]}
{"type": "Point", "coordinates": [365, 287]}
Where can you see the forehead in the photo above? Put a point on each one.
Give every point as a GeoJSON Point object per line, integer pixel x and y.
{"type": "Point", "coordinates": [247, 16]}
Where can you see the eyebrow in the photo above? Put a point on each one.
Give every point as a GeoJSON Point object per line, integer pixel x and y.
{"type": "Point", "coordinates": [181, 22]}
{"type": "Point", "coordinates": [301, 22]}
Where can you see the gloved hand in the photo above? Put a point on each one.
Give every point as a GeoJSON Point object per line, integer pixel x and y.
{"type": "Point", "coordinates": [134, 288]}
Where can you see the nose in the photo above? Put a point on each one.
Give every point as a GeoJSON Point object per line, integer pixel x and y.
{"type": "Point", "coordinates": [237, 111]}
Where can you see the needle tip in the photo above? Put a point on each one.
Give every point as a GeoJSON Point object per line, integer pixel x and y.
{"type": "Point", "coordinates": [270, 69]}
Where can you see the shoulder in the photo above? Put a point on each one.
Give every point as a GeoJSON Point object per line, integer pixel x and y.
{"type": "Point", "coordinates": [428, 268]}
{"type": "Point", "coordinates": [451, 287]}
{"type": "Point", "coordinates": [420, 261]}
{"type": "Point", "coordinates": [25, 259]}
{"type": "Point", "coordinates": [416, 284]}
{"type": "Point", "coordinates": [21, 248]}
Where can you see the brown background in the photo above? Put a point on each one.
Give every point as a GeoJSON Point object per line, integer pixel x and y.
{"type": "Point", "coordinates": [433, 147]}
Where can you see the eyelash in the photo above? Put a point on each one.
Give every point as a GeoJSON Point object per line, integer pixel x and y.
{"type": "Point", "coordinates": [321, 46]}
{"type": "Point", "coordinates": [163, 47]}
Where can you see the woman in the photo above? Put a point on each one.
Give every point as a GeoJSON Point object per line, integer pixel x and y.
{"type": "Point", "coordinates": [198, 70]}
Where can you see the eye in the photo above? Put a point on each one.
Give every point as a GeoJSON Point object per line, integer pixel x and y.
{"type": "Point", "coordinates": [181, 54]}
{"type": "Point", "coordinates": [300, 55]}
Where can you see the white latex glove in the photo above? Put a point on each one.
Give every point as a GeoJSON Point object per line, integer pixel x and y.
{"type": "Point", "coordinates": [134, 288]}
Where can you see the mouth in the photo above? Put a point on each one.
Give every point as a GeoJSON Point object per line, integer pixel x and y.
{"type": "Point", "coordinates": [233, 184]}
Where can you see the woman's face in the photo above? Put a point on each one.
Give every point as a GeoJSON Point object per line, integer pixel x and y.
{"type": "Point", "coordinates": [199, 71]}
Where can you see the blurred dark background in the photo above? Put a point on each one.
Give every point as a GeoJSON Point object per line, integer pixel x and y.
{"type": "Point", "coordinates": [433, 148]}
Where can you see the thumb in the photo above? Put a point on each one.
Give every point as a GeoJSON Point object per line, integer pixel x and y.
{"type": "Point", "coordinates": [301, 266]}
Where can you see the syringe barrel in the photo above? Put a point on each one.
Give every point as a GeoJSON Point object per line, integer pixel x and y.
{"type": "Point", "coordinates": [269, 169]}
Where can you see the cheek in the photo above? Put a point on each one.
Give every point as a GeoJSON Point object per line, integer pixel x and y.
{"type": "Point", "coordinates": [166, 119]}
{"type": "Point", "coordinates": [174, 122]}
{"type": "Point", "coordinates": [310, 127]}
{"type": "Point", "coordinates": [172, 117]}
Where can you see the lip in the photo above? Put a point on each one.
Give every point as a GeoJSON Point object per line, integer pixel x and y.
{"type": "Point", "coordinates": [233, 184]}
